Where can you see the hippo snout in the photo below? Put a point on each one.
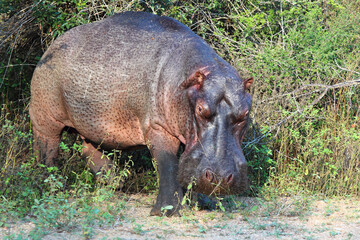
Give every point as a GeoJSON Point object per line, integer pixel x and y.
{"type": "Point", "coordinates": [228, 181]}
{"type": "Point", "coordinates": [212, 178]}
{"type": "Point", "coordinates": [211, 175]}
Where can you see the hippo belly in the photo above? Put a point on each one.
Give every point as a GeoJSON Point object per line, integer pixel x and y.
{"type": "Point", "coordinates": [108, 129]}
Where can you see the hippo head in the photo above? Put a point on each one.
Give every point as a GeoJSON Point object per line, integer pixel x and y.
{"type": "Point", "coordinates": [213, 158]}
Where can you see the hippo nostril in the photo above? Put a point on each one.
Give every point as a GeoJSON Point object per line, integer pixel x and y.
{"type": "Point", "coordinates": [209, 175]}
{"type": "Point", "coordinates": [229, 179]}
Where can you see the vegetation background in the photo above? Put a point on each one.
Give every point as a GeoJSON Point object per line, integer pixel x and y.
{"type": "Point", "coordinates": [304, 137]}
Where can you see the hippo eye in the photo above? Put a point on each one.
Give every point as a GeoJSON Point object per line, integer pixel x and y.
{"type": "Point", "coordinates": [203, 110]}
{"type": "Point", "coordinates": [240, 121]}
{"type": "Point", "coordinates": [241, 124]}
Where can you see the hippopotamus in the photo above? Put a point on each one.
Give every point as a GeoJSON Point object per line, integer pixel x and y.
{"type": "Point", "coordinates": [140, 80]}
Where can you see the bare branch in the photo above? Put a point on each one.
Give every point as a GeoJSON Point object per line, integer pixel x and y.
{"type": "Point", "coordinates": [345, 69]}
{"type": "Point", "coordinates": [323, 88]}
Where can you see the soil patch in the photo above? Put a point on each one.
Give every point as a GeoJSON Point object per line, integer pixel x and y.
{"type": "Point", "coordinates": [254, 219]}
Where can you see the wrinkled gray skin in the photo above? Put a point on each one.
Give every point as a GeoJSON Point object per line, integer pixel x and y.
{"type": "Point", "coordinates": [136, 79]}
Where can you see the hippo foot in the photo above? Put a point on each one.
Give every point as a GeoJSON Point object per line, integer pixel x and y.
{"type": "Point", "coordinates": [167, 206]}
{"type": "Point", "coordinates": [166, 211]}
{"type": "Point", "coordinates": [205, 202]}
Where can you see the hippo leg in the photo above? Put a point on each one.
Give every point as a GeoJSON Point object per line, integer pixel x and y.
{"type": "Point", "coordinates": [95, 158]}
{"type": "Point", "coordinates": [164, 148]}
{"type": "Point", "coordinates": [46, 147]}
{"type": "Point", "coordinates": [47, 133]}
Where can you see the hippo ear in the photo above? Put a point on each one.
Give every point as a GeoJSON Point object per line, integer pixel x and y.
{"type": "Point", "coordinates": [248, 82]}
{"type": "Point", "coordinates": [196, 79]}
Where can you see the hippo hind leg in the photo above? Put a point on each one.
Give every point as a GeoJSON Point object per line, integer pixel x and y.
{"type": "Point", "coordinates": [46, 147]}
{"type": "Point", "coordinates": [95, 158]}
{"type": "Point", "coordinates": [47, 134]}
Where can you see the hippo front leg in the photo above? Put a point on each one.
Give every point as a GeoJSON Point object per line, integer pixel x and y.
{"type": "Point", "coordinates": [164, 148]}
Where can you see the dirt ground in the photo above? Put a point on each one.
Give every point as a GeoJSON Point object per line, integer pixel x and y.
{"type": "Point", "coordinates": [285, 219]}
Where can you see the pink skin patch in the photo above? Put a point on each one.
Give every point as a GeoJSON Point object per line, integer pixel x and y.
{"type": "Point", "coordinates": [191, 144]}
{"type": "Point", "coordinates": [182, 139]}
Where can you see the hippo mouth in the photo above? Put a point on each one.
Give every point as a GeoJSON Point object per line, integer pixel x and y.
{"type": "Point", "coordinates": [206, 181]}
{"type": "Point", "coordinates": [211, 184]}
